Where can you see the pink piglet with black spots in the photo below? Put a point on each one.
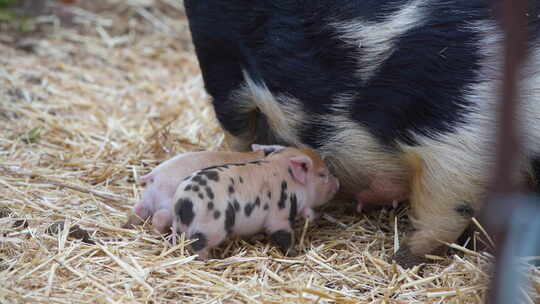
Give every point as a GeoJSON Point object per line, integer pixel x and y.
{"type": "Point", "coordinates": [245, 198]}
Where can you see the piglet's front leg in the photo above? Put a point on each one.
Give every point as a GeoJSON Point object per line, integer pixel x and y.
{"type": "Point", "coordinates": [162, 221]}
{"type": "Point", "coordinates": [282, 234]}
{"type": "Point", "coordinates": [310, 214]}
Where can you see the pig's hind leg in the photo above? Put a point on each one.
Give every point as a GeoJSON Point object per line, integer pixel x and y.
{"type": "Point", "coordinates": [441, 208]}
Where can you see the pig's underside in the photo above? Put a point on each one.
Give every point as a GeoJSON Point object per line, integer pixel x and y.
{"type": "Point", "coordinates": [399, 96]}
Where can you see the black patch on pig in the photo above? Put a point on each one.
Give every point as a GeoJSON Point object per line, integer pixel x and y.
{"type": "Point", "coordinates": [201, 195]}
{"type": "Point", "coordinates": [290, 172]}
{"type": "Point", "coordinates": [283, 239]}
{"type": "Point", "coordinates": [210, 205]}
{"type": "Point", "coordinates": [218, 167]}
{"type": "Point", "coordinates": [241, 180]}
{"type": "Point", "coordinates": [283, 197]}
{"type": "Point", "coordinates": [257, 202]}
{"type": "Point", "coordinates": [187, 188]}
{"type": "Point", "coordinates": [232, 180]}
{"type": "Point", "coordinates": [257, 162]}
{"type": "Point", "coordinates": [229, 218]}
{"type": "Point", "coordinates": [209, 193]}
{"type": "Point", "coordinates": [236, 206]}
{"type": "Point", "coordinates": [184, 210]}
{"type": "Point", "coordinates": [465, 210]}
{"type": "Point", "coordinates": [210, 175]}
{"type": "Point", "coordinates": [217, 214]}
{"type": "Point", "coordinates": [199, 179]}
{"type": "Point", "coordinates": [248, 208]}
{"type": "Point", "coordinates": [231, 189]}
{"type": "Point", "coordinates": [269, 194]}
{"type": "Point", "coordinates": [200, 243]}
{"type": "Point", "coordinates": [195, 188]}
{"type": "Point", "coordinates": [265, 206]}
{"type": "Point", "coordinates": [294, 208]}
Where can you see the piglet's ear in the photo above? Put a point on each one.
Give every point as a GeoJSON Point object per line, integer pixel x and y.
{"type": "Point", "coordinates": [300, 166]}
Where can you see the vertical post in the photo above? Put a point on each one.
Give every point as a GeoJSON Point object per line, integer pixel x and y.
{"type": "Point", "coordinates": [500, 204]}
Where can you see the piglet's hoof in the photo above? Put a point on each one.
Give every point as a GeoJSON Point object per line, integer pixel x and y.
{"type": "Point", "coordinates": [132, 222]}
{"type": "Point", "coordinates": [291, 253]}
{"type": "Point", "coordinates": [406, 259]}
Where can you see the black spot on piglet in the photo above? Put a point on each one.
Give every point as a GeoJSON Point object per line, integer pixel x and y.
{"type": "Point", "coordinates": [236, 205]}
{"type": "Point", "coordinates": [248, 209]}
{"type": "Point", "coordinates": [210, 193]}
{"type": "Point", "coordinates": [199, 179]}
{"type": "Point", "coordinates": [217, 214]}
{"type": "Point", "coordinates": [184, 210]}
{"type": "Point", "coordinates": [229, 218]}
{"type": "Point", "coordinates": [283, 197]}
{"type": "Point", "coordinates": [231, 189]}
{"type": "Point", "coordinates": [200, 243]}
{"type": "Point", "coordinates": [211, 175]}
{"type": "Point", "coordinates": [294, 208]}
{"type": "Point", "coordinates": [465, 210]}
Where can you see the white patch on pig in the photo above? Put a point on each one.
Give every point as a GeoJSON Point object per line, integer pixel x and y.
{"type": "Point", "coordinates": [377, 39]}
{"type": "Point", "coordinates": [456, 167]}
{"type": "Point", "coordinates": [284, 114]}
{"type": "Point", "coordinates": [349, 144]}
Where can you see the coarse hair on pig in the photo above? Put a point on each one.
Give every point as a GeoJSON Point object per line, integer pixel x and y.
{"type": "Point", "coordinates": [399, 97]}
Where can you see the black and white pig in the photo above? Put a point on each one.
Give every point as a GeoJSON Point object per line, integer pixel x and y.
{"type": "Point", "coordinates": [398, 95]}
{"type": "Point", "coordinates": [246, 198]}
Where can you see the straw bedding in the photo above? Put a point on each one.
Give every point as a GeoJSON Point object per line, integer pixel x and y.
{"type": "Point", "coordinates": [86, 109]}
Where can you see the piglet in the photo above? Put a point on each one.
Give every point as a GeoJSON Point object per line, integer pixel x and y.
{"type": "Point", "coordinates": [246, 198]}
{"type": "Point", "coordinates": [162, 182]}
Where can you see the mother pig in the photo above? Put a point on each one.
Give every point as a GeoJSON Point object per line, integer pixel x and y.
{"type": "Point", "coordinates": [399, 95]}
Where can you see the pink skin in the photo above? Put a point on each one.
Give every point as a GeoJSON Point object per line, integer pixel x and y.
{"type": "Point", "coordinates": [304, 174]}
{"type": "Point", "coordinates": [162, 182]}
{"type": "Point", "coordinates": [382, 192]}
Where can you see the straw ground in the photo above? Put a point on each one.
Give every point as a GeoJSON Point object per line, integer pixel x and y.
{"type": "Point", "coordinates": [88, 107]}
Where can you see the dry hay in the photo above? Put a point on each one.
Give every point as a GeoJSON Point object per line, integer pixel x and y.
{"type": "Point", "coordinates": [86, 109]}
